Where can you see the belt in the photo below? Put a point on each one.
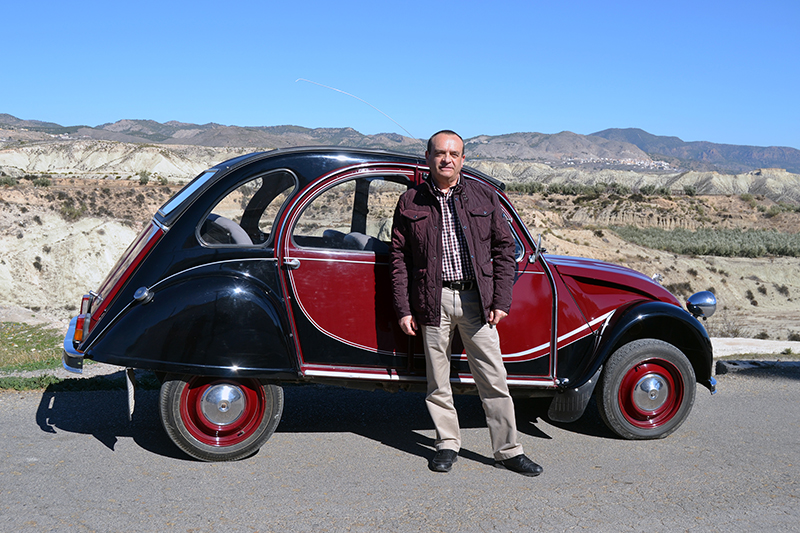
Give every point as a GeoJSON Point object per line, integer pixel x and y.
{"type": "Point", "coordinates": [461, 285]}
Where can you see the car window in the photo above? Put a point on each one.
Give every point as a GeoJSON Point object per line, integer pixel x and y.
{"type": "Point", "coordinates": [246, 215]}
{"type": "Point", "coordinates": [195, 185]}
{"type": "Point", "coordinates": [519, 248]}
{"type": "Point", "coordinates": [352, 215]}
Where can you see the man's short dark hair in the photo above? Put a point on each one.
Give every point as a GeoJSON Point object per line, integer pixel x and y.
{"type": "Point", "coordinates": [447, 132]}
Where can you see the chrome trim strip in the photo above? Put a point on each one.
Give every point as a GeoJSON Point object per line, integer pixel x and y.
{"type": "Point", "coordinates": [392, 376]}
{"type": "Point", "coordinates": [554, 323]}
{"type": "Point", "coordinates": [157, 223]}
{"type": "Point", "coordinates": [566, 336]}
{"type": "Point", "coordinates": [336, 260]}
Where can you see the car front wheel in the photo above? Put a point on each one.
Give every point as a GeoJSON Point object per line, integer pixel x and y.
{"type": "Point", "coordinates": [219, 419]}
{"type": "Point", "coordinates": [646, 390]}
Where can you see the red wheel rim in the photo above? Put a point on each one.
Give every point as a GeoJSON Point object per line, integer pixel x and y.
{"type": "Point", "coordinates": [651, 393]}
{"type": "Point", "coordinates": [215, 434]}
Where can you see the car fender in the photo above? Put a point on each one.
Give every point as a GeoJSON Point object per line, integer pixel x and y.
{"type": "Point", "coordinates": [656, 320]}
{"type": "Point", "coordinates": [208, 321]}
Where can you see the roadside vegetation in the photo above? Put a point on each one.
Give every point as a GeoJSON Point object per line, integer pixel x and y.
{"type": "Point", "coordinates": [28, 348]}
{"type": "Point", "coordinates": [25, 347]}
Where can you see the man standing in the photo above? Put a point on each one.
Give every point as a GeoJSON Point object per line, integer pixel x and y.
{"type": "Point", "coordinates": [453, 267]}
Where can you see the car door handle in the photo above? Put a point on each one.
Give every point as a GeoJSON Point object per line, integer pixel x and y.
{"type": "Point", "coordinates": [291, 264]}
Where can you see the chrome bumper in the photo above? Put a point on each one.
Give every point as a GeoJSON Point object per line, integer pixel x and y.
{"type": "Point", "coordinates": [72, 359]}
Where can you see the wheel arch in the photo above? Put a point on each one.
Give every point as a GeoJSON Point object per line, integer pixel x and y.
{"type": "Point", "coordinates": [212, 322]}
{"type": "Point", "coordinates": [665, 322]}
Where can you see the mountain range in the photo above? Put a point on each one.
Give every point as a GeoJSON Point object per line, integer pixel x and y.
{"type": "Point", "coordinates": [618, 146]}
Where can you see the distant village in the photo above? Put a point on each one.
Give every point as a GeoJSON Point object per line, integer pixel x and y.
{"type": "Point", "coordinates": [610, 162]}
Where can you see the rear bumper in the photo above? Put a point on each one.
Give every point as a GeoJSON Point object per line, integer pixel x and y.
{"type": "Point", "coordinates": [72, 359]}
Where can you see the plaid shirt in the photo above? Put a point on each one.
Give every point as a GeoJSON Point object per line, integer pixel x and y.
{"type": "Point", "coordinates": [456, 264]}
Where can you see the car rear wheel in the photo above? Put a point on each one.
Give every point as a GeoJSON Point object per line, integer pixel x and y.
{"type": "Point", "coordinates": [219, 419]}
{"type": "Point", "coordinates": [646, 390]}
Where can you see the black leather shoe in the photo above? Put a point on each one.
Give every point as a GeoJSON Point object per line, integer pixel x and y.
{"type": "Point", "coordinates": [521, 465]}
{"type": "Point", "coordinates": [443, 460]}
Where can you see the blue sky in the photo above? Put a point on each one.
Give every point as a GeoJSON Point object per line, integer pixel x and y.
{"type": "Point", "coordinates": [726, 72]}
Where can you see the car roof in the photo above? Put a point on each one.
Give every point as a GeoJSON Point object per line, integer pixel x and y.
{"type": "Point", "coordinates": [366, 154]}
{"type": "Point", "coordinates": [307, 162]}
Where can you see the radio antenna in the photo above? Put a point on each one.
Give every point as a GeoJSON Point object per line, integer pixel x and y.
{"type": "Point", "coordinates": [361, 100]}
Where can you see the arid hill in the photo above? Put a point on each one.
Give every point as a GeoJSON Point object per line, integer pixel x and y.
{"type": "Point", "coordinates": [178, 163]}
{"type": "Point", "coordinates": [72, 198]}
{"type": "Point", "coordinates": [58, 241]}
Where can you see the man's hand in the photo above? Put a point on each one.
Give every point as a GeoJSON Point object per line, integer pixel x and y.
{"type": "Point", "coordinates": [408, 325]}
{"type": "Point", "coordinates": [495, 316]}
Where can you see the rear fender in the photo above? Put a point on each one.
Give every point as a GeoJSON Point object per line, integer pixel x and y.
{"type": "Point", "coordinates": [208, 322]}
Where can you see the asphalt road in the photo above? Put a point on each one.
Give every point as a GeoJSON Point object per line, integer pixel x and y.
{"type": "Point", "coordinates": [345, 460]}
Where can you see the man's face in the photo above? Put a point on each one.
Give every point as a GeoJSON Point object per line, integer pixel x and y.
{"type": "Point", "coordinates": [445, 159]}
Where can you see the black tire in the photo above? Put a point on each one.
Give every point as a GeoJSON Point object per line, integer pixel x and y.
{"type": "Point", "coordinates": [646, 390]}
{"type": "Point", "coordinates": [219, 419]}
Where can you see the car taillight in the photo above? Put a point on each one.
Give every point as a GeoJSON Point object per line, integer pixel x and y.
{"type": "Point", "coordinates": [77, 338]}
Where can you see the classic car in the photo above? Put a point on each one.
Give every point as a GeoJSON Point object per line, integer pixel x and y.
{"type": "Point", "coordinates": [272, 269]}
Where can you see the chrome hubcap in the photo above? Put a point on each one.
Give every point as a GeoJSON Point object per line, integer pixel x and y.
{"type": "Point", "coordinates": [222, 404]}
{"type": "Point", "coordinates": [651, 392]}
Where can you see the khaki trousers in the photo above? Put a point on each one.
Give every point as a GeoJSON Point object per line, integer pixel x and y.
{"type": "Point", "coordinates": [461, 309]}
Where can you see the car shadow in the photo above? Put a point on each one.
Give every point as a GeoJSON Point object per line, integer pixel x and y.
{"type": "Point", "coordinates": [104, 415]}
{"type": "Point", "coordinates": [394, 419]}
{"type": "Point", "coordinates": [399, 420]}
{"type": "Point", "coordinates": [590, 424]}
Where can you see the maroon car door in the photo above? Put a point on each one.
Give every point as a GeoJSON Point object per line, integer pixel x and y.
{"type": "Point", "coordinates": [336, 275]}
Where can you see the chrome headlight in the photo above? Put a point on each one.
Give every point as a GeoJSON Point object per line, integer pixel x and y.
{"type": "Point", "coordinates": [702, 304]}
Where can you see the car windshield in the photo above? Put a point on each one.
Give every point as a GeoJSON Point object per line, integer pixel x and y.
{"type": "Point", "coordinates": [186, 192]}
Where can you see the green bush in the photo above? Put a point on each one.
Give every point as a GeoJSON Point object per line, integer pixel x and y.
{"type": "Point", "coordinates": [680, 289]}
{"type": "Point", "coordinates": [70, 213]}
{"type": "Point", "coordinates": [526, 188]}
{"type": "Point", "coordinates": [717, 242]}
{"type": "Point", "coordinates": [588, 192]}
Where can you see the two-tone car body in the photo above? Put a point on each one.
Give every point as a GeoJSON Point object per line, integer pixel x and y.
{"type": "Point", "coordinates": [273, 269]}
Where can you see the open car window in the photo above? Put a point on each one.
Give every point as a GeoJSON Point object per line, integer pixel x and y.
{"type": "Point", "coordinates": [353, 215]}
{"type": "Point", "coordinates": [246, 215]}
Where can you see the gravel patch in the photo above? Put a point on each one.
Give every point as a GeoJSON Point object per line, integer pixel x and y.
{"type": "Point", "coordinates": [737, 346]}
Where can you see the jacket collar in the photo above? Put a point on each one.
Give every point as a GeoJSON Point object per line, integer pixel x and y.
{"type": "Point", "coordinates": [433, 189]}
